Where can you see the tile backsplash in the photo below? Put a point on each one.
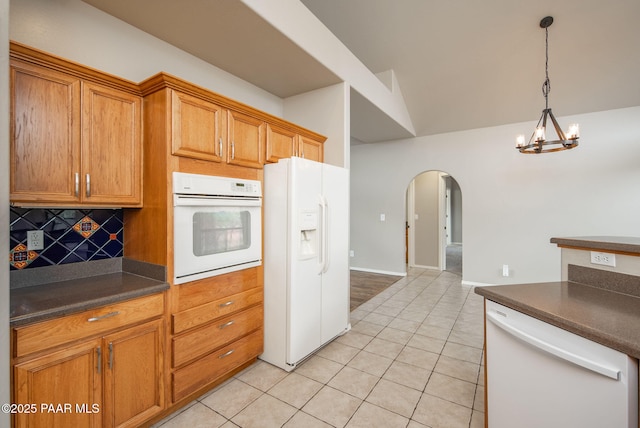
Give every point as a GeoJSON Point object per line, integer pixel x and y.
{"type": "Point", "coordinates": [70, 236]}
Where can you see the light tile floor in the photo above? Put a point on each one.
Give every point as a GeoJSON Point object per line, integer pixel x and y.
{"type": "Point", "coordinates": [413, 358]}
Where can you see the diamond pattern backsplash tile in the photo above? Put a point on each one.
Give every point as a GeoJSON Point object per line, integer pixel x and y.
{"type": "Point", "coordinates": [70, 236]}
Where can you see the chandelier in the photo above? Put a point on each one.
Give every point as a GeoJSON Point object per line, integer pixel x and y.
{"type": "Point", "coordinates": [538, 143]}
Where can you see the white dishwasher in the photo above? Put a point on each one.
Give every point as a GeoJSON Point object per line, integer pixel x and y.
{"type": "Point", "coordinates": [539, 375]}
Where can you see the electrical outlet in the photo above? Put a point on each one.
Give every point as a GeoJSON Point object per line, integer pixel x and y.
{"type": "Point", "coordinates": [605, 259]}
{"type": "Point", "coordinates": [35, 240]}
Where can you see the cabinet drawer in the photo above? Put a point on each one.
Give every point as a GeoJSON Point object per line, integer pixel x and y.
{"type": "Point", "coordinates": [203, 340]}
{"type": "Point", "coordinates": [206, 370]}
{"type": "Point", "coordinates": [207, 290]}
{"type": "Point", "coordinates": [204, 313]}
{"type": "Point", "coordinates": [47, 334]}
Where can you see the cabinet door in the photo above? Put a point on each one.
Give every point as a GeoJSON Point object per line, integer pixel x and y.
{"type": "Point", "coordinates": [246, 140]}
{"type": "Point", "coordinates": [310, 149]}
{"type": "Point", "coordinates": [197, 128]}
{"type": "Point", "coordinates": [281, 143]}
{"type": "Point", "coordinates": [111, 147]}
{"type": "Point", "coordinates": [70, 380]}
{"type": "Point", "coordinates": [133, 386]}
{"type": "Point", "coordinates": [45, 135]}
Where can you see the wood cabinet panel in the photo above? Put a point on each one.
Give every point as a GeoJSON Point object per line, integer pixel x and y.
{"type": "Point", "coordinates": [246, 137]}
{"type": "Point", "coordinates": [111, 146]}
{"type": "Point", "coordinates": [69, 376]}
{"type": "Point", "coordinates": [281, 143]}
{"type": "Point", "coordinates": [45, 134]}
{"type": "Point", "coordinates": [199, 315]}
{"type": "Point", "coordinates": [215, 365]}
{"type": "Point", "coordinates": [197, 130]}
{"type": "Point", "coordinates": [309, 148]}
{"type": "Point", "coordinates": [194, 344]}
{"type": "Point", "coordinates": [50, 333]}
{"type": "Point", "coordinates": [133, 383]}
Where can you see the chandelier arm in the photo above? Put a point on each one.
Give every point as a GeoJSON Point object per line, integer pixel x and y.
{"type": "Point", "coordinates": [557, 127]}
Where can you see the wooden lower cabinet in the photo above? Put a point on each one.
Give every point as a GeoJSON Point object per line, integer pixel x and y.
{"type": "Point", "coordinates": [113, 380]}
{"type": "Point", "coordinates": [69, 377]}
{"type": "Point", "coordinates": [133, 385]}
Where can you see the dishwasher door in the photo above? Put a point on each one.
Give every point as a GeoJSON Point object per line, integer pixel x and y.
{"type": "Point", "coordinates": [539, 375]}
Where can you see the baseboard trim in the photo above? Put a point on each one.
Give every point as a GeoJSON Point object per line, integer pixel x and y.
{"type": "Point", "coordinates": [381, 272]}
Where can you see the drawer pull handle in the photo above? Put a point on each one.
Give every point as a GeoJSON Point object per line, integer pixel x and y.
{"type": "Point", "coordinates": [225, 325]}
{"type": "Point", "coordinates": [229, 303]}
{"type": "Point", "coordinates": [226, 354]}
{"type": "Point", "coordinates": [101, 317]}
{"type": "Point", "coordinates": [99, 362]}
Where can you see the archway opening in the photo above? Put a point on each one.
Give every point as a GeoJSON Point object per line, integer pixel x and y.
{"type": "Point", "coordinates": [434, 222]}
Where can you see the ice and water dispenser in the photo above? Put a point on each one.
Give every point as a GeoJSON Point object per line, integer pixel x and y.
{"type": "Point", "coordinates": [308, 234]}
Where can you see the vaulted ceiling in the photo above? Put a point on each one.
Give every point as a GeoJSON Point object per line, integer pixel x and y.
{"type": "Point", "coordinates": [460, 64]}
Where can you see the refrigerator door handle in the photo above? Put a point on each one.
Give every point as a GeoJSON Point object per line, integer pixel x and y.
{"type": "Point", "coordinates": [554, 350]}
{"type": "Point", "coordinates": [324, 235]}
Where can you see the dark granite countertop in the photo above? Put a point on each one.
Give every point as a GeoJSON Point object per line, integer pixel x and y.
{"type": "Point", "coordinates": [46, 293]}
{"type": "Point", "coordinates": [623, 244]}
{"type": "Point", "coordinates": [603, 316]}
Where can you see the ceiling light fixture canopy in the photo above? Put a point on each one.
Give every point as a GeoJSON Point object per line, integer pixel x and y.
{"type": "Point", "coordinates": [538, 142]}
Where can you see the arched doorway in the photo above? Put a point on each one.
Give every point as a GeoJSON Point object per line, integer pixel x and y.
{"type": "Point", "coordinates": [434, 222]}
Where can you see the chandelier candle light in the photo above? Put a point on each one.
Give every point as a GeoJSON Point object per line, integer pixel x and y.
{"type": "Point", "coordinates": [538, 142]}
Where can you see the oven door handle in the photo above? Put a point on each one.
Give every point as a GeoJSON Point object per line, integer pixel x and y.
{"type": "Point", "coordinates": [214, 201]}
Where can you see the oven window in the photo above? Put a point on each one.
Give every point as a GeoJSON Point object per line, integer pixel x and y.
{"type": "Point", "coordinates": [221, 232]}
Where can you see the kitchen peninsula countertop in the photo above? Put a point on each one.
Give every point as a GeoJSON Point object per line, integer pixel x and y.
{"type": "Point", "coordinates": [45, 293]}
{"type": "Point", "coordinates": [603, 316]}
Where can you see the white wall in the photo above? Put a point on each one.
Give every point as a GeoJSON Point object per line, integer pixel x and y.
{"type": "Point", "coordinates": [513, 203]}
{"type": "Point", "coordinates": [325, 111]}
{"type": "Point", "coordinates": [77, 31]}
{"type": "Point", "coordinates": [4, 210]}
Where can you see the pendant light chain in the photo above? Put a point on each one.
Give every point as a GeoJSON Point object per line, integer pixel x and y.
{"type": "Point", "coordinates": [546, 86]}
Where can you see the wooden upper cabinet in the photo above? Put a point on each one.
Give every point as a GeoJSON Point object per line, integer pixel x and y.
{"type": "Point", "coordinates": [111, 146]}
{"type": "Point", "coordinates": [246, 140]}
{"type": "Point", "coordinates": [45, 134]}
{"type": "Point", "coordinates": [74, 141]}
{"type": "Point", "coordinates": [284, 143]}
{"type": "Point", "coordinates": [309, 148]}
{"type": "Point", "coordinates": [197, 127]}
{"type": "Point", "coordinates": [281, 143]}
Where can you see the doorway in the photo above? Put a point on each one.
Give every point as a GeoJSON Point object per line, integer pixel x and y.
{"type": "Point", "coordinates": [434, 222]}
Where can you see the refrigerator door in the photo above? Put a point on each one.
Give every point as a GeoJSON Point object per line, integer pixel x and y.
{"type": "Point", "coordinates": [335, 246]}
{"type": "Point", "coordinates": [305, 281]}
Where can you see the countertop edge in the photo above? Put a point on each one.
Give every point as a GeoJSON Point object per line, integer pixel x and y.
{"type": "Point", "coordinates": [623, 244]}
{"type": "Point", "coordinates": [86, 305]}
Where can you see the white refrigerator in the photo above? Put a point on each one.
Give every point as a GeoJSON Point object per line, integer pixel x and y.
{"type": "Point", "coordinates": [306, 258]}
